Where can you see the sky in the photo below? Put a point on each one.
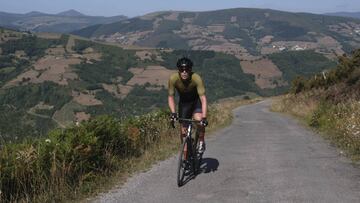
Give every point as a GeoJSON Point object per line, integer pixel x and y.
{"type": "Point", "coordinates": [132, 8]}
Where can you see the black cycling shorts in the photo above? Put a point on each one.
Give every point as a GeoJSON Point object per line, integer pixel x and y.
{"type": "Point", "coordinates": [186, 110]}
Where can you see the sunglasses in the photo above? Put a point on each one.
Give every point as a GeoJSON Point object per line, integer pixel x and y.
{"type": "Point", "coordinates": [184, 69]}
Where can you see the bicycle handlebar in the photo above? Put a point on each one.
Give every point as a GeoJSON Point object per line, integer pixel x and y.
{"type": "Point", "coordinates": [185, 120]}
{"type": "Point", "coordinates": [188, 120]}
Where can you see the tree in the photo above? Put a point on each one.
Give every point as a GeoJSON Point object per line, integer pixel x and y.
{"type": "Point", "coordinates": [298, 85]}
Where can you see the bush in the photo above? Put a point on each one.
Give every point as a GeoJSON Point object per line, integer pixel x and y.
{"type": "Point", "coordinates": [347, 71]}
{"type": "Point", "coordinates": [72, 157]}
{"type": "Point", "coordinates": [297, 85]}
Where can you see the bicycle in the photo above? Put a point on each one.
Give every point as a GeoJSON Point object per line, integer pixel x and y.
{"type": "Point", "coordinates": [189, 156]}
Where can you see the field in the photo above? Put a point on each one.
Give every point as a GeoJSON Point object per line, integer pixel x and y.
{"type": "Point", "coordinates": [49, 68]}
{"type": "Point", "coordinates": [86, 99]}
{"type": "Point", "coordinates": [154, 75]}
{"type": "Point", "coordinates": [47, 35]}
{"type": "Point", "coordinates": [267, 75]}
{"type": "Point", "coordinates": [118, 91]}
{"type": "Point", "coordinates": [66, 116]}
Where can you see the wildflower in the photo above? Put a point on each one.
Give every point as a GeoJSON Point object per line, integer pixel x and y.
{"type": "Point", "coordinates": [48, 141]}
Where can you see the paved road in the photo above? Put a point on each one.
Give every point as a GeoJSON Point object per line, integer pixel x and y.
{"type": "Point", "coordinates": [261, 157]}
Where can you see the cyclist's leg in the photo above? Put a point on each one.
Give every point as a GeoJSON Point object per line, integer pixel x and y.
{"type": "Point", "coordinates": [185, 111]}
{"type": "Point", "coordinates": [197, 115]}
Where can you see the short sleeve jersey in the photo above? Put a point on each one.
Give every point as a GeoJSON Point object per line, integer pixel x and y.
{"type": "Point", "coordinates": [189, 90]}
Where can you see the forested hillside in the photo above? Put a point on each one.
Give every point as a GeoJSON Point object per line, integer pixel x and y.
{"type": "Point", "coordinates": [52, 80]}
{"type": "Point", "coordinates": [243, 32]}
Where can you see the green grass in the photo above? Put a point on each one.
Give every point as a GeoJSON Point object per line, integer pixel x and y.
{"type": "Point", "coordinates": [66, 115]}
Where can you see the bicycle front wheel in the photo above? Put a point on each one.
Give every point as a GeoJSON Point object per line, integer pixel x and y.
{"type": "Point", "coordinates": [182, 164]}
{"type": "Point", "coordinates": [197, 155]}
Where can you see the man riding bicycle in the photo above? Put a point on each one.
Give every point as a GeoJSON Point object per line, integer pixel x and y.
{"type": "Point", "coordinates": [192, 102]}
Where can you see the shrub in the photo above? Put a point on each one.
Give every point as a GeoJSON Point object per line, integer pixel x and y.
{"type": "Point", "coordinates": [297, 85]}
{"type": "Point", "coordinates": [68, 158]}
{"type": "Point", "coordinates": [347, 71]}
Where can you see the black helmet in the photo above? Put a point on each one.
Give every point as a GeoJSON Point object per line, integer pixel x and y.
{"type": "Point", "coordinates": [184, 62]}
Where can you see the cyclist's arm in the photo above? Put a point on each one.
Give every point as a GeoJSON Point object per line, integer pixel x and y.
{"type": "Point", "coordinates": [203, 105]}
{"type": "Point", "coordinates": [171, 102]}
{"type": "Point", "coordinates": [171, 91]}
{"type": "Point", "coordinates": [201, 91]}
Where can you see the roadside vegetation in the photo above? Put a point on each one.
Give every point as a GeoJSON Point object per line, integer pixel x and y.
{"type": "Point", "coordinates": [329, 102]}
{"type": "Point", "coordinates": [70, 163]}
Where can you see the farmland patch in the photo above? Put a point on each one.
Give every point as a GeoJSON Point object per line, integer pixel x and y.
{"type": "Point", "coordinates": [265, 72]}
{"type": "Point", "coordinates": [154, 75]}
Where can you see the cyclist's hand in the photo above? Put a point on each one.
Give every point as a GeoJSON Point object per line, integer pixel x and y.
{"type": "Point", "coordinates": [173, 118]}
{"type": "Point", "coordinates": [204, 122]}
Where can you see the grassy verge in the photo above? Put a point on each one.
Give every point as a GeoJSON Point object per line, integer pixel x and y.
{"type": "Point", "coordinates": [82, 160]}
{"type": "Point", "coordinates": [339, 123]}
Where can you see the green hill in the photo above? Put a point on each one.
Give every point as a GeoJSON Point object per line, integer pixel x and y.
{"type": "Point", "coordinates": [345, 14]}
{"type": "Point", "coordinates": [257, 31]}
{"type": "Point", "coordinates": [57, 80]}
{"type": "Point", "coordinates": [63, 22]}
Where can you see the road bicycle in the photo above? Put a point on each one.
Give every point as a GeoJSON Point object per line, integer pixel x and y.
{"type": "Point", "coordinates": [189, 156]}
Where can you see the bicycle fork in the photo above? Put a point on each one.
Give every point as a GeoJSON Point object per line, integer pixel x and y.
{"type": "Point", "coordinates": [188, 143]}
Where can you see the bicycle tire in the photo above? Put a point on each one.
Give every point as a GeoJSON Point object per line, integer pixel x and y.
{"type": "Point", "coordinates": [181, 164]}
{"type": "Point", "coordinates": [196, 156]}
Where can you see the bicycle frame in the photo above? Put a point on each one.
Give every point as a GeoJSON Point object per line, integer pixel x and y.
{"type": "Point", "coordinates": [190, 122]}
{"type": "Point", "coordinates": [192, 157]}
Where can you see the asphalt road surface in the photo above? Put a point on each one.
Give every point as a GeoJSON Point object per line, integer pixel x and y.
{"type": "Point", "coordinates": [262, 157]}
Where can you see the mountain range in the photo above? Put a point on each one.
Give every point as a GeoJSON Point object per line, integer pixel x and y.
{"type": "Point", "coordinates": [345, 14]}
{"type": "Point", "coordinates": [63, 22]}
{"type": "Point", "coordinates": [243, 32]}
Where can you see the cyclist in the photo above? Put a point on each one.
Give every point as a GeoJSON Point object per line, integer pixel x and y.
{"type": "Point", "coordinates": [192, 102]}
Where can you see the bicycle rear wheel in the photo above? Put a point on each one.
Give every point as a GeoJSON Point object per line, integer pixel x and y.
{"type": "Point", "coordinates": [182, 164]}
